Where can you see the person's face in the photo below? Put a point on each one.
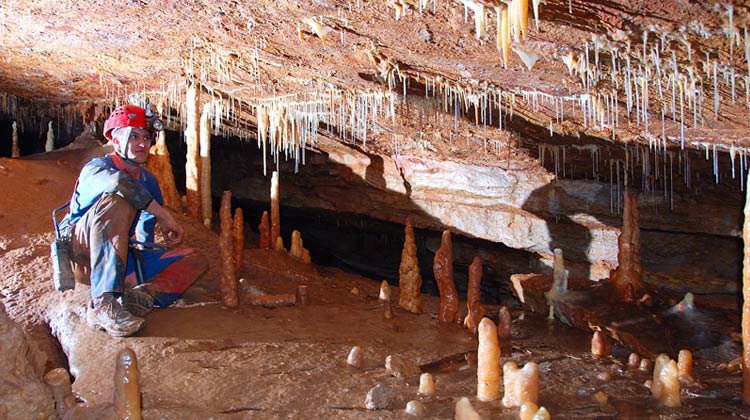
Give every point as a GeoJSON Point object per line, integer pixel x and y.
{"type": "Point", "coordinates": [137, 147]}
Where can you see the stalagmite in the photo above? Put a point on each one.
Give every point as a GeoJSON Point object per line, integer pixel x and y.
{"type": "Point", "coordinates": [503, 323]}
{"type": "Point", "coordinates": [354, 358]}
{"type": "Point", "coordinates": [50, 145]}
{"type": "Point", "coordinates": [665, 385]}
{"type": "Point", "coordinates": [264, 230]}
{"type": "Point", "coordinates": [426, 385]}
{"type": "Point", "coordinates": [521, 385]}
{"type": "Point", "coordinates": [205, 166]}
{"type": "Point", "coordinates": [473, 296]}
{"type": "Point", "coordinates": [600, 345]}
{"type": "Point", "coordinates": [278, 246]}
{"type": "Point", "coordinates": [15, 150]}
{"type": "Point", "coordinates": [275, 215]}
{"type": "Point", "coordinates": [634, 360]}
{"type": "Point", "coordinates": [160, 165]}
{"type": "Point", "coordinates": [385, 291]}
{"type": "Point", "coordinates": [746, 300]}
{"type": "Point", "coordinates": [238, 239]}
{"type": "Point", "coordinates": [228, 279]}
{"type": "Point", "coordinates": [297, 249]}
{"type": "Point", "coordinates": [409, 279]}
{"type": "Point", "coordinates": [628, 277]}
{"type": "Point", "coordinates": [192, 165]}
{"type": "Point", "coordinates": [415, 408]}
{"type": "Point", "coordinates": [488, 362]}
{"type": "Point", "coordinates": [685, 366]}
{"type": "Point", "coordinates": [443, 269]}
{"type": "Point", "coordinates": [387, 309]}
{"type": "Point", "coordinates": [465, 411]}
{"type": "Point", "coordinates": [127, 398]}
{"type": "Point", "coordinates": [559, 281]}
{"type": "Point", "coordinates": [530, 411]}
{"type": "Point", "coordinates": [303, 296]}
{"type": "Point", "coordinates": [58, 381]}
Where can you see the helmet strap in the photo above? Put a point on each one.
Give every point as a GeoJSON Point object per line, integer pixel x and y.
{"type": "Point", "coordinates": [124, 132]}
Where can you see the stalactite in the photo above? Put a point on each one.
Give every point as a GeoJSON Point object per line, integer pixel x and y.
{"type": "Point", "coordinates": [627, 278]}
{"type": "Point", "coordinates": [192, 166]}
{"type": "Point", "coordinates": [127, 390]}
{"type": "Point", "coordinates": [410, 281]}
{"type": "Point", "coordinates": [275, 214]}
{"type": "Point", "coordinates": [228, 279]}
{"type": "Point", "coordinates": [443, 269]}
{"type": "Point", "coordinates": [205, 166]}
{"type": "Point", "coordinates": [746, 300]}
{"type": "Point", "coordinates": [238, 239]}
{"type": "Point", "coordinates": [473, 296]}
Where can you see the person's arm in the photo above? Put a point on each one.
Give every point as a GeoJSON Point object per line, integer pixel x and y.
{"type": "Point", "coordinates": [171, 230]}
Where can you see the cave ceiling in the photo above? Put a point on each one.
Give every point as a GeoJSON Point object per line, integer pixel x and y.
{"type": "Point", "coordinates": [392, 75]}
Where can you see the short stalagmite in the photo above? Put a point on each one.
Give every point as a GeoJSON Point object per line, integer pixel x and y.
{"type": "Point", "coordinates": [665, 386]}
{"type": "Point", "coordinates": [228, 280]}
{"type": "Point", "coordinates": [443, 269]}
{"type": "Point", "coordinates": [387, 309]}
{"type": "Point", "coordinates": [600, 345]}
{"type": "Point", "coordinates": [409, 279]}
{"type": "Point", "coordinates": [628, 277]}
{"type": "Point", "coordinates": [303, 294]}
{"type": "Point", "coordinates": [264, 230]}
{"type": "Point", "coordinates": [475, 311]}
{"type": "Point", "coordinates": [205, 155]}
{"type": "Point", "coordinates": [559, 282]}
{"type": "Point", "coordinates": [465, 411]}
{"type": "Point", "coordinates": [504, 321]}
{"type": "Point", "coordinates": [275, 214]}
{"type": "Point", "coordinates": [685, 366]}
{"type": "Point", "coordinates": [127, 398]}
{"type": "Point", "coordinates": [530, 411]}
{"type": "Point", "coordinates": [159, 163]}
{"type": "Point", "coordinates": [521, 385]}
{"type": "Point", "coordinates": [415, 408]}
{"type": "Point", "coordinates": [385, 291]}
{"type": "Point", "coordinates": [354, 358]}
{"type": "Point", "coordinates": [238, 239]}
{"type": "Point", "coordinates": [426, 385]}
{"type": "Point", "coordinates": [488, 362]}
{"type": "Point", "coordinates": [192, 165]}
{"type": "Point", "coordinates": [634, 360]}
{"type": "Point", "coordinates": [297, 249]}
{"type": "Point", "coordinates": [50, 145]}
{"type": "Point", "coordinates": [278, 245]}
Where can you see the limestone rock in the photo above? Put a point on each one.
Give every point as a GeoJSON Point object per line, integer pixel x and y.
{"type": "Point", "coordinates": [400, 367]}
{"type": "Point", "coordinates": [23, 394]}
{"type": "Point", "coordinates": [381, 397]}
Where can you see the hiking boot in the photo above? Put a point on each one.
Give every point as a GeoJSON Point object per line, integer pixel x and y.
{"type": "Point", "coordinates": [107, 314]}
{"type": "Point", "coordinates": [138, 301]}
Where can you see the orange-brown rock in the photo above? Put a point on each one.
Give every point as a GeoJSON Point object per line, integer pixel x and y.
{"type": "Point", "coordinates": [264, 230]}
{"type": "Point", "coordinates": [228, 279]}
{"type": "Point", "coordinates": [628, 277]}
{"type": "Point", "coordinates": [275, 213]}
{"type": "Point", "coordinates": [127, 398]}
{"type": "Point", "coordinates": [238, 239]}
{"type": "Point", "coordinates": [409, 279]}
{"type": "Point", "coordinates": [475, 311]}
{"type": "Point", "coordinates": [504, 321]}
{"type": "Point", "coordinates": [297, 249]}
{"type": "Point", "coordinates": [160, 165]}
{"type": "Point", "coordinates": [443, 269]}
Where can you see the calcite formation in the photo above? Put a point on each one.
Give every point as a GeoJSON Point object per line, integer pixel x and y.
{"type": "Point", "coordinates": [409, 279]}
{"type": "Point", "coordinates": [600, 345]}
{"type": "Point", "coordinates": [228, 279]}
{"type": "Point", "coordinates": [465, 411]}
{"type": "Point", "coordinates": [238, 239]}
{"type": "Point", "coordinates": [443, 269]}
{"type": "Point", "coordinates": [521, 385]}
{"type": "Point", "coordinates": [127, 398]}
{"type": "Point", "coordinates": [355, 357]}
{"type": "Point", "coordinates": [628, 277]}
{"type": "Point", "coordinates": [475, 311]}
{"type": "Point", "coordinates": [685, 366]}
{"type": "Point", "coordinates": [504, 322]}
{"type": "Point", "coordinates": [192, 165]}
{"type": "Point", "coordinates": [297, 249]}
{"type": "Point", "coordinates": [426, 385]}
{"type": "Point", "coordinates": [264, 230]}
{"type": "Point", "coordinates": [160, 165]}
{"type": "Point", "coordinates": [275, 212]}
{"type": "Point", "coordinates": [204, 141]}
{"type": "Point", "coordinates": [488, 362]}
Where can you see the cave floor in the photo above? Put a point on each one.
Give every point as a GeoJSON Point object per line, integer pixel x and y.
{"type": "Point", "coordinates": [199, 360]}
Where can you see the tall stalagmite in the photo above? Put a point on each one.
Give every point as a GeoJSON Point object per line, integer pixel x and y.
{"type": "Point", "coordinates": [409, 279]}
{"type": "Point", "coordinates": [50, 145]}
{"type": "Point", "coordinates": [228, 281]}
{"type": "Point", "coordinates": [192, 166]}
{"type": "Point", "coordinates": [275, 215]}
{"type": "Point", "coordinates": [127, 398]}
{"type": "Point", "coordinates": [264, 232]}
{"type": "Point", "coordinates": [746, 301]}
{"type": "Point", "coordinates": [15, 150]}
{"type": "Point", "coordinates": [160, 165]}
{"type": "Point", "coordinates": [473, 296]}
{"type": "Point", "coordinates": [205, 174]}
{"type": "Point", "coordinates": [628, 277]}
{"type": "Point", "coordinates": [443, 269]}
{"type": "Point", "coordinates": [238, 239]}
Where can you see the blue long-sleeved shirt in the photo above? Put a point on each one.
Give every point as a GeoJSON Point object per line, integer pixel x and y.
{"type": "Point", "coordinates": [101, 176]}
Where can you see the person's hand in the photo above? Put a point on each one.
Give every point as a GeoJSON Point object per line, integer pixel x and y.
{"type": "Point", "coordinates": [171, 230]}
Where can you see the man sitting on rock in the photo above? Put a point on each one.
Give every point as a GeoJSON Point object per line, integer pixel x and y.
{"type": "Point", "coordinates": [116, 199]}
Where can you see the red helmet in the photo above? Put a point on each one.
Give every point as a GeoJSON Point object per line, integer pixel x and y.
{"type": "Point", "coordinates": [125, 116]}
